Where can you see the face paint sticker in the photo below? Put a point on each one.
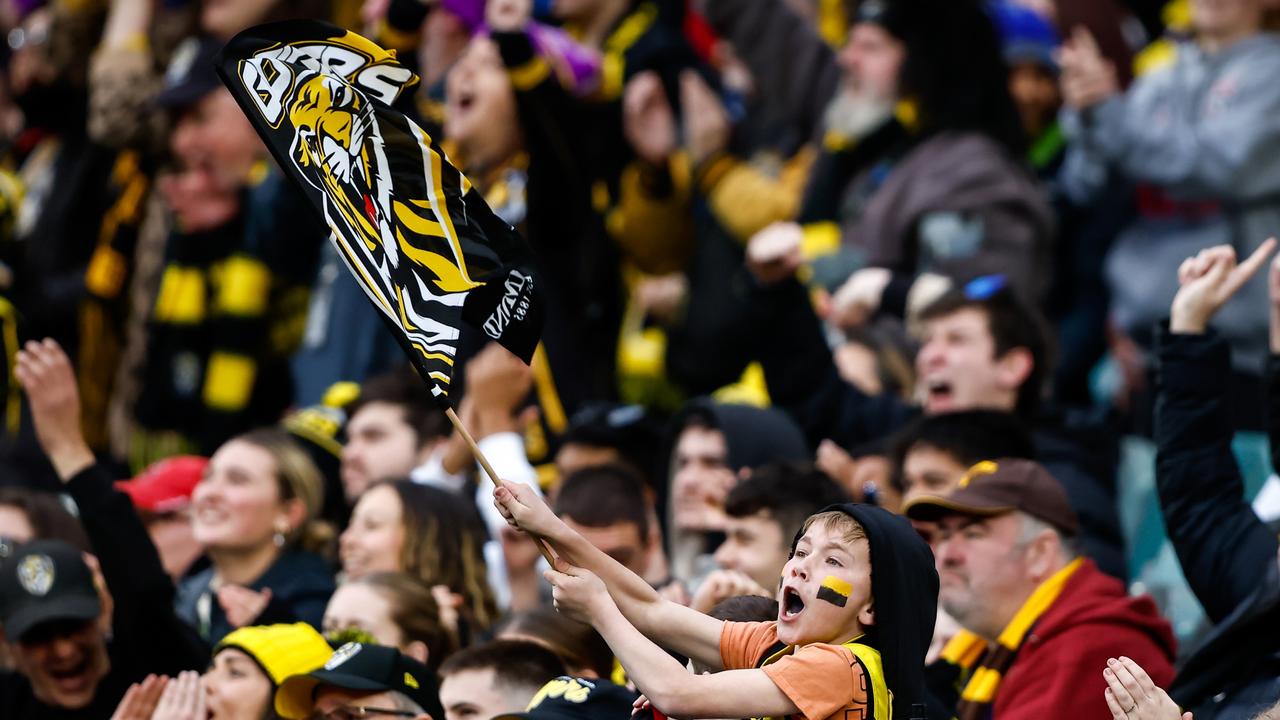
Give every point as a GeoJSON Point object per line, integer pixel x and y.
{"type": "Point", "coordinates": [835, 591]}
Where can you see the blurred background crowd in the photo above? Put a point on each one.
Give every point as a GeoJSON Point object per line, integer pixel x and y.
{"type": "Point", "coordinates": [795, 252]}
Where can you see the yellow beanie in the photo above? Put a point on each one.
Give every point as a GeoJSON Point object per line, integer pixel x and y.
{"type": "Point", "coordinates": [281, 650]}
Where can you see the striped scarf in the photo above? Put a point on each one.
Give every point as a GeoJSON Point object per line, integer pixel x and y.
{"type": "Point", "coordinates": [989, 663]}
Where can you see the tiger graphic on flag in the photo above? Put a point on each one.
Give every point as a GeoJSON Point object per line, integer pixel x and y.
{"type": "Point", "coordinates": [426, 249]}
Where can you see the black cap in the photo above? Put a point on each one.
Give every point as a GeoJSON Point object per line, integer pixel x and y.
{"type": "Point", "coordinates": [190, 75]}
{"type": "Point", "coordinates": [45, 581]}
{"type": "Point", "coordinates": [362, 668]}
{"type": "Point", "coordinates": [889, 14]}
{"type": "Point", "coordinates": [569, 698]}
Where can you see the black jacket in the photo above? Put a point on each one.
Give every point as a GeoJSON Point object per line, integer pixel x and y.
{"type": "Point", "coordinates": [147, 636]}
{"type": "Point", "coordinates": [300, 583]}
{"type": "Point", "coordinates": [803, 380]}
{"type": "Point", "coordinates": [1227, 553]}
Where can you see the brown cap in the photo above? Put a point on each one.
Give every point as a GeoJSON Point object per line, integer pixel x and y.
{"type": "Point", "coordinates": [1002, 486]}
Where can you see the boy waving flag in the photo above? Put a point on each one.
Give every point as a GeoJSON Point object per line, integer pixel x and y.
{"type": "Point", "coordinates": [330, 106]}
{"type": "Point", "coordinates": [857, 602]}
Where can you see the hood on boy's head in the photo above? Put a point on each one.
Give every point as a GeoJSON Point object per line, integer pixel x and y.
{"type": "Point", "coordinates": [904, 592]}
{"type": "Point", "coordinates": [754, 436]}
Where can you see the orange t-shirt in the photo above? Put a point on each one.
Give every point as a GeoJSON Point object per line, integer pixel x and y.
{"type": "Point", "coordinates": [825, 681]}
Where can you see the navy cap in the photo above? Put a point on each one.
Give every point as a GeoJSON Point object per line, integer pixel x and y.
{"type": "Point", "coordinates": [190, 75]}
{"type": "Point", "coordinates": [45, 581]}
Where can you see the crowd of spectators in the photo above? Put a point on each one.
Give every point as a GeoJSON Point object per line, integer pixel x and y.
{"type": "Point", "coordinates": [868, 325]}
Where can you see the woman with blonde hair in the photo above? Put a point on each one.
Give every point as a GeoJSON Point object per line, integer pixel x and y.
{"type": "Point", "coordinates": [392, 609]}
{"type": "Point", "coordinates": [254, 514]}
{"type": "Point", "coordinates": [428, 533]}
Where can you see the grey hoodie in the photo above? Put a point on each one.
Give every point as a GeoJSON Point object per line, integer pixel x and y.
{"type": "Point", "coordinates": [1203, 133]}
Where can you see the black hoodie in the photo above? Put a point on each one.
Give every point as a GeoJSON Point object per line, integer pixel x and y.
{"type": "Point", "coordinates": [904, 588]}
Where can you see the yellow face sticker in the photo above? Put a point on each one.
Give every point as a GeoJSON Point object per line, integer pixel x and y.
{"type": "Point", "coordinates": [835, 591]}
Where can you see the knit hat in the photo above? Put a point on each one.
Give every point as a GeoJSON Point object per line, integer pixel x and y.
{"type": "Point", "coordinates": [280, 650]}
{"type": "Point", "coordinates": [1025, 35]}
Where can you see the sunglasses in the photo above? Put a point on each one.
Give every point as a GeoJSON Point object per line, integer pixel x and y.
{"type": "Point", "coordinates": [985, 287]}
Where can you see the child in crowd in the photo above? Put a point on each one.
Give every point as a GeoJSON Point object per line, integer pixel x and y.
{"type": "Point", "coordinates": [848, 642]}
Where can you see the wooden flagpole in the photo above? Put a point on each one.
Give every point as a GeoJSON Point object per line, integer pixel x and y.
{"type": "Point", "coordinates": [493, 476]}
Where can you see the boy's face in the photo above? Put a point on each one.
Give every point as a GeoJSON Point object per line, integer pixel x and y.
{"type": "Point", "coordinates": [826, 589]}
{"type": "Point", "coordinates": [754, 546]}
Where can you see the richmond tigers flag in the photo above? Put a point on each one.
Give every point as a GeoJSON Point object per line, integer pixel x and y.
{"type": "Point", "coordinates": [428, 251]}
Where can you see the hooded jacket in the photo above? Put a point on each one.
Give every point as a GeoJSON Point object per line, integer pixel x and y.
{"type": "Point", "coordinates": [904, 587]}
{"type": "Point", "coordinates": [1058, 669]}
{"type": "Point", "coordinates": [753, 437]}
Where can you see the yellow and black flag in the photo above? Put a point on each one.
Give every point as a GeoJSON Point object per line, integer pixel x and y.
{"type": "Point", "coordinates": [428, 251]}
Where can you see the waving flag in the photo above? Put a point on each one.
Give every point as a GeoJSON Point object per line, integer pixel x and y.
{"type": "Point", "coordinates": [424, 245]}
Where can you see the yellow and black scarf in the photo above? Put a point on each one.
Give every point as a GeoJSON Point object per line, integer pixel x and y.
{"type": "Point", "coordinates": [985, 665]}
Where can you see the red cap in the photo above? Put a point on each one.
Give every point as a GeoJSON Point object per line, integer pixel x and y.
{"type": "Point", "coordinates": [165, 486]}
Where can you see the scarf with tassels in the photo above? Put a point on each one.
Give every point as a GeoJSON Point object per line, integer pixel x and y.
{"type": "Point", "coordinates": [988, 663]}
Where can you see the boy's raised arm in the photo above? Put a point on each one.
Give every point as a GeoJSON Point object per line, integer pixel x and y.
{"type": "Point", "coordinates": [672, 626]}
{"type": "Point", "coordinates": [669, 687]}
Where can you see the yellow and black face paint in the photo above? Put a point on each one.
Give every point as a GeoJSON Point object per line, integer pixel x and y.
{"type": "Point", "coordinates": [835, 591]}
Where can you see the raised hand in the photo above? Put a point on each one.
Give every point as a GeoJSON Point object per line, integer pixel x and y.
{"type": "Point", "coordinates": [1131, 695]}
{"type": "Point", "coordinates": [647, 120]}
{"type": "Point", "coordinates": [524, 509]}
{"type": "Point", "coordinates": [706, 124]}
{"type": "Point", "coordinates": [1208, 280]}
{"type": "Point", "coordinates": [498, 383]}
{"type": "Point", "coordinates": [774, 253]}
{"type": "Point", "coordinates": [183, 699]}
{"type": "Point", "coordinates": [578, 593]}
{"type": "Point", "coordinates": [858, 299]}
{"type": "Point", "coordinates": [140, 701]}
{"type": "Point", "coordinates": [44, 371]}
{"type": "Point", "coordinates": [1087, 77]}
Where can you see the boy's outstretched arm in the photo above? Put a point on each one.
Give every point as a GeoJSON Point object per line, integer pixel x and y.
{"type": "Point", "coordinates": [667, 685]}
{"type": "Point", "coordinates": [672, 626]}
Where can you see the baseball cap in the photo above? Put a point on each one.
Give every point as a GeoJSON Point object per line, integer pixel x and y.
{"type": "Point", "coordinates": [43, 581]}
{"type": "Point", "coordinates": [570, 698]}
{"type": "Point", "coordinates": [190, 75]}
{"type": "Point", "coordinates": [996, 487]}
{"type": "Point", "coordinates": [167, 485]}
{"type": "Point", "coordinates": [363, 668]}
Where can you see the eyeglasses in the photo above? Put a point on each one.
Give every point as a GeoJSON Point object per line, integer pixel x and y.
{"type": "Point", "coordinates": [985, 286]}
{"type": "Point", "coordinates": [353, 712]}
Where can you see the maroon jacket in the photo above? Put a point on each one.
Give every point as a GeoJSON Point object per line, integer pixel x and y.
{"type": "Point", "coordinates": [1058, 670]}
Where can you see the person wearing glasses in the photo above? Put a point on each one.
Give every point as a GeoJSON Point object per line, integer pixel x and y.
{"type": "Point", "coordinates": [362, 681]}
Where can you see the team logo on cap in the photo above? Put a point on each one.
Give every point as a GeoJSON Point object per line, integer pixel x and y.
{"type": "Point", "coordinates": [343, 654]}
{"type": "Point", "coordinates": [35, 574]}
{"type": "Point", "coordinates": [986, 467]}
